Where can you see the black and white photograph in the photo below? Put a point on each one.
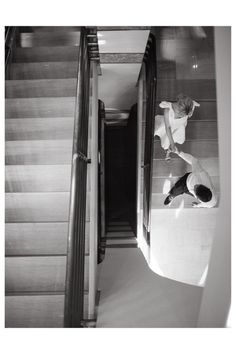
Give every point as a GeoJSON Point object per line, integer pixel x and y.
{"type": "Point", "coordinates": [117, 176]}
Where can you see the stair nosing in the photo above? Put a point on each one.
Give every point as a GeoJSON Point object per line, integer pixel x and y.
{"type": "Point", "coordinates": [33, 293]}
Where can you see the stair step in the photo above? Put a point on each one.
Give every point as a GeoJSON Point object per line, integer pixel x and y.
{"type": "Point", "coordinates": [49, 39]}
{"type": "Point", "coordinates": [35, 274]}
{"type": "Point", "coordinates": [52, 29]}
{"type": "Point", "coordinates": [34, 311]}
{"type": "Point", "coordinates": [39, 129]}
{"type": "Point", "coordinates": [38, 207]}
{"type": "Point", "coordinates": [178, 167]}
{"type": "Point", "coordinates": [163, 185]}
{"type": "Point", "coordinates": [43, 70]}
{"type": "Point", "coordinates": [195, 88]}
{"type": "Point", "coordinates": [35, 239]}
{"type": "Point", "coordinates": [122, 245]}
{"type": "Point", "coordinates": [37, 178]}
{"type": "Point", "coordinates": [206, 111]}
{"type": "Point", "coordinates": [120, 237]}
{"type": "Point", "coordinates": [40, 88]}
{"type": "Point", "coordinates": [197, 148]}
{"type": "Point", "coordinates": [119, 228]}
{"type": "Point", "coordinates": [45, 54]}
{"type": "Point", "coordinates": [201, 129]}
{"type": "Point", "coordinates": [38, 152]}
{"type": "Point", "coordinates": [127, 241]}
{"type": "Point", "coordinates": [116, 223]}
{"type": "Point", "coordinates": [119, 233]}
{"type": "Point", "coordinates": [40, 107]}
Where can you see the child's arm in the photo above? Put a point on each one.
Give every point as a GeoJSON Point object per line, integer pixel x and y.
{"type": "Point", "coordinates": [168, 130]}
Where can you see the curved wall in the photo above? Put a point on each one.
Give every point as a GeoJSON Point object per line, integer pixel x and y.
{"type": "Point", "coordinates": [181, 242]}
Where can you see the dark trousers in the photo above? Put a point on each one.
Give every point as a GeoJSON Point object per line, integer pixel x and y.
{"type": "Point", "coordinates": [180, 186]}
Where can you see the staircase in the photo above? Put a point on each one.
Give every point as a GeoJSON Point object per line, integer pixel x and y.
{"type": "Point", "coordinates": [181, 236]}
{"type": "Point", "coordinates": [176, 74]}
{"type": "Point", "coordinates": [40, 102]}
{"type": "Point", "coordinates": [120, 235]}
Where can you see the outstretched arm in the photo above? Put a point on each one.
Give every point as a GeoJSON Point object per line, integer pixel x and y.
{"type": "Point", "coordinates": [168, 130]}
{"type": "Point", "coordinates": [190, 160]}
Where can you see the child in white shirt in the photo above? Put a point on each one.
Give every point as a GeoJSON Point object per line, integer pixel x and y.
{"type": "Point", "coordinates": [170, 127]}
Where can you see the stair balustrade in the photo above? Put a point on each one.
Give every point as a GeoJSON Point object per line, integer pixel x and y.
{"type": "Point", "coordinates": [75, 270]}
{"type": "Point", "coordinates": [150, 89]}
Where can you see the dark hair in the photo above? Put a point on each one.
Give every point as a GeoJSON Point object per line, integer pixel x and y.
{"type": "Point", "coordinates": [185, 103]}
{"type": "Point", "coordinates": [203, 193]}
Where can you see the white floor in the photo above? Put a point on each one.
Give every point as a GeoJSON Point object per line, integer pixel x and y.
{"type": "Point", "coordinates": [134, 296]}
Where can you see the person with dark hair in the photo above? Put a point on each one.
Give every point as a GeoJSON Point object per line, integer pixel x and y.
{"type": "Point", "coordinates": [170, 127]}
{"type": "Point", "coordinates": [196, 183]}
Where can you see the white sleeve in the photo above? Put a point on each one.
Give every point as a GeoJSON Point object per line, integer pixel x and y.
{"type": "Point", "coordinates": [165, 104]}
{"type": "Point", "coordinates": [209, 204]}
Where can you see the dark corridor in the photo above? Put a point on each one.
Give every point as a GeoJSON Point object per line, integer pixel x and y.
{"type": "Point", "coordinates": [120, 170]}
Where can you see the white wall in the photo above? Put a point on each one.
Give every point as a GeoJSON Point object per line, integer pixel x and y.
{"type": "Point", "coordinates": [216, 296]}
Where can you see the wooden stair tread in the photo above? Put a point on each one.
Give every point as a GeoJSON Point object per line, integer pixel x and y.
{"type": "Point", "coordinates": [45, 54]}
{"type": "Point", "coordinates": [39, 107]}
{"type": "Point", "coordinates": [40, 88]}
{"type": "Point", "coordinates": [34, 311]}
{"type": "Point", "coordinates": [35, 273]}
{"type": "Point", "coordinates": [39, 207]}
{"type": "Point", "coordinates": [122, 241]}
{"type": "Point", "coordinates": [37, 178]}
{"type": "Point", "coordinates": [196, 88]}
{"type": "Point", "coordinates": [51, 39]}
{"type": "Point", "coordinates": [43, 70]}
{"type": "Point", "coordinates": [34, 239]}
{"type": "Point", "coordinates": [35, 152]}
{"type": "Point", "coordinates": [39, 129]}
{"type": "Point", "coordinates": [119, 233]}
{"type": "Point", "coordinates": [47, 29]}
{"type": "Point", "coordinates": [39, 273]}
{"type": "Point", "coordinates": [39, 310]}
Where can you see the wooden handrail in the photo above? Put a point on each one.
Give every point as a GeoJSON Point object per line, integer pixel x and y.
{"type": "Point", "coordinates": [101, 182]}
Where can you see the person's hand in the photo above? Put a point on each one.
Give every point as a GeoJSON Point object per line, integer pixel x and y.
{"type": "Point", "coordinates": [174, 149]}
